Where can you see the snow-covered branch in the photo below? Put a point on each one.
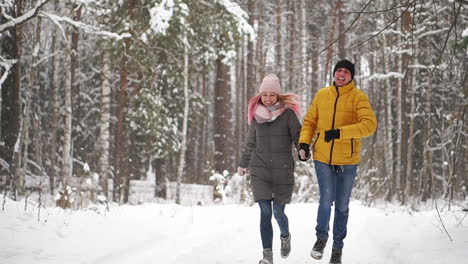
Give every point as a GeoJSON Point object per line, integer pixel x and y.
{"type": "Point", "coordinates": [380, 76]}
{"type": "Point", "coordinates": [25, 17]}
{"type": "Point", "coordinates": [432, 32]}
{"type": "Point", "coordinates": [87, 28]}
{"type": "Point", "coordinates": [7, 64]}
{"type": "Point", "coordinates": [240, 16]}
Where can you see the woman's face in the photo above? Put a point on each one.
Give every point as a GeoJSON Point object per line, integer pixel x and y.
{"type": "Point", "coordinates": [269, 98]}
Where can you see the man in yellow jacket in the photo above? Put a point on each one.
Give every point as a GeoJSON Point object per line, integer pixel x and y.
{"type": "Point", "coordinates": [339, 116]}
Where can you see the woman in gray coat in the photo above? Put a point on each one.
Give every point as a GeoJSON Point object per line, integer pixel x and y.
{"type": "Point", "coordinates": [274, 128]}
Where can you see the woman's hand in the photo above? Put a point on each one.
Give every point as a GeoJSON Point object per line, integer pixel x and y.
{"type": "Point", "coordinates": [304, 152]}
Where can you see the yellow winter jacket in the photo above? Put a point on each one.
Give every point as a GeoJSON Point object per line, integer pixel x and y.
{"type": "Point", "coordinates": [345, 108]}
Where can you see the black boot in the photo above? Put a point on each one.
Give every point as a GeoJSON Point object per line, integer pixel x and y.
{"type": "Point", "coordinates": [336, 256]}
{"type": "Point", "coordinates": [317, 250]}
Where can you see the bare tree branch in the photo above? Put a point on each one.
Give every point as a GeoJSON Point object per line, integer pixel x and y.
{"type": "Point", "coordinates": [454, 22]}
{"type": "Point", "coordinates": [442, 222]}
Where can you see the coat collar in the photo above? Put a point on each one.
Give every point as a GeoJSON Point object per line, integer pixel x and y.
{"type": "Point", "coordinates": [343, 89]}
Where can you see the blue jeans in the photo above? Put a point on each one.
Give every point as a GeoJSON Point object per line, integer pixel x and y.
{"type": "Point", "coordinates": [335, 187]}
{"type": "Point", "coordinates": [266, 228]}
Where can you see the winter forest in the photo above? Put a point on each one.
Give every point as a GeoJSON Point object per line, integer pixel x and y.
{"type": "Point", "coordinates": [96, 94]}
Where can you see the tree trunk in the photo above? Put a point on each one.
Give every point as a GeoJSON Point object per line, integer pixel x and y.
{"type": "Point", "coordinates": [260, 40]}
{"type": "Point", "coordinates": [221, 116]}
{"type": "Point", "coordinates": [104, 135]}
{"type": "Point", "coordinates": [388, 128]}
{"type": "Point", "coordinates": [11, 100]}
{"type": "Point", "coordinates": [30, 93]}
{"type": "Point", "coordinates": [67, 129]}
{"type": "Point", "coordinates": [292, 45]}
{"type": "Point", "coordinates": [279, 39]}
{"type": "Point", "coordinates": [54, 110]}
{"type": "Point", "coordinates": [428, 174]}
{"type": "Point", "coordinates": [239, 100]}
{"type": "Point", "coordinates": [250, 54]}
{"type": "Point", "coordinates": [76, 99]}
{"type": "Point", "coordinates": [315, 84]}
{"type": "Point", "coordinates": [342, 39]}
{"type": "Point", "coordinates": [304, 55]}
{"type": "Point", "coordinates": [403, 131]}
{"type": "Point", "coordinates": [330, 49]}
{"type": "Point", "coordinates": [119, 133]}
{"type": "Point", "coordinates": [407, 86]}
{"type": "Point", "coordinates": [122, 178]}
{"type": "Point", "coordinates": [183, 147]}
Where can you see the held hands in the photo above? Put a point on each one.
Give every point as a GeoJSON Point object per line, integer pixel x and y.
{"type": "Point", "coordinates": [304, 152]}
{"type": "Point", "coordinates": [332, 134]}
{"type": "Point", "coordinates": [241, 171]}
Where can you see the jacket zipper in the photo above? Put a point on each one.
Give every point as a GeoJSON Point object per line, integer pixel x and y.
{"type": "Point", "coordinates": [333, 123]}
{"type": "Point", "coordinates": [352, 147]}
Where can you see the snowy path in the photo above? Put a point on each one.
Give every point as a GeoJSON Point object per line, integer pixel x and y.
{"type": "Point", "coordinates": [170, 234]}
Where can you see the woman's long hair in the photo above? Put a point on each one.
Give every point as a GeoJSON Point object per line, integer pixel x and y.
{"type": "Point", "coordinates": [289, 100]}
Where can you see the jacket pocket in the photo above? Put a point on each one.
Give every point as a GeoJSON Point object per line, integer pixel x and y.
{"type": "Point", "coordinates": [352, 147]}
{"type": "Point", "coordinates": [318, 136]}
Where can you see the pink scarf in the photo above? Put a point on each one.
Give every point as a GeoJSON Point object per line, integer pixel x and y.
{"type": "Point", "coordinates": [268, 113]}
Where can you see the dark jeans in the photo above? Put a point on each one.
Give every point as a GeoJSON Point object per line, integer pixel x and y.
{"type": "Point", "coordinates": [266, 228]}
{"type": "Point", "coordinates": [335, 187]}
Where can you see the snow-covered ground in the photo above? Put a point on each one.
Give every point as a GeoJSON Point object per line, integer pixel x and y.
{"type": "Point", "coordinates": [170, 234]}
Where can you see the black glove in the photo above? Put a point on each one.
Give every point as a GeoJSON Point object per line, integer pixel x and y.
{"type": "Point", "coordinates": [332, 134]}
{"type": "Point", "coordinates": [306, 149]}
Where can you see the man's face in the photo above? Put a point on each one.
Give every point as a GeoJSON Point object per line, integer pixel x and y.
{"type": "Point", "coordinates": [342, 77]}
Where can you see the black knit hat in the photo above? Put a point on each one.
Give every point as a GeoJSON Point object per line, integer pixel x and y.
{"type": "Point", "coordinates": [345, 64]}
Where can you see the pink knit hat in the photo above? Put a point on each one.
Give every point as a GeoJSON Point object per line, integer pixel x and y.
{"type": "Point", "coordinates": [270, 83]}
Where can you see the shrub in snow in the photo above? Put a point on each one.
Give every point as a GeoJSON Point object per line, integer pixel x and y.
{"type": "Point", "coordinates": [231, 189]}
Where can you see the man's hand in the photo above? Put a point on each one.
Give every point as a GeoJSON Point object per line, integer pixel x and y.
{"type": "Point", "coordinates": [332, 134]}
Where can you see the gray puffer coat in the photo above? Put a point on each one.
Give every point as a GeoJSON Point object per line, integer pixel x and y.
{"type": "Point", "coordinates": [268, 155]}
